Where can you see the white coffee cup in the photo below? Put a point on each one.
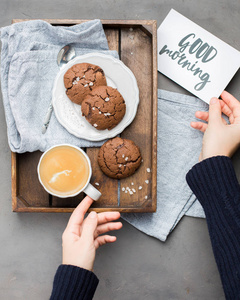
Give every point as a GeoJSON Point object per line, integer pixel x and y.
{"type": "Point", "coordinates": [70, 157]}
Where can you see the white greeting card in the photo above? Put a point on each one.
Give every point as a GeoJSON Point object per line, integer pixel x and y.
{"type": "Point", "coordinates": [194, 58]}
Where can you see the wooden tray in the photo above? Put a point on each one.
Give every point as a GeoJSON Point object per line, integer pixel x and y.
{"type": "Point", "coordinates": [135, 42]}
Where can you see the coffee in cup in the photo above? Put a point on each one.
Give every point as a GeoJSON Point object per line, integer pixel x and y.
{"type": "Point", "coordinates": [65, 171]}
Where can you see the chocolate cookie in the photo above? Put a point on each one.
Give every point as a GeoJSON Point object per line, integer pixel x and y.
{"type": "Point", "coordinates": [119, 158]}
{"type": "Point", "coordinates": [104, 107]}
{"type": "Point", "coordinates": [81, 79]}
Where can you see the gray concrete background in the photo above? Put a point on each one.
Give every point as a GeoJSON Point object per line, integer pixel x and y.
{"type": "Point", "coordinates": [136, 266]}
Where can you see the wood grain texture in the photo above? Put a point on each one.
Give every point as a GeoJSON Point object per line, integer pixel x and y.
{"type": "Point", "coordinates": [111, 23]}
{"type": "Point", "coordinates": [136, 42]}
{"type": "Point", "coordinates": [136, 48]}
{"type": "Point", "coordinates": [28, 189]}
{"type": "Point", "coordinates": [65, 202]}
{"type": "Point", "coordinates": [14, 181]}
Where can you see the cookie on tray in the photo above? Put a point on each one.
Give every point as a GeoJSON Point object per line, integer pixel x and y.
{"type": "Point", "coordinates": [81, 79]}
{"type": "Point", "coordinates": [104, 107]}
{"type": "Point", "coordinates": [119, 158]}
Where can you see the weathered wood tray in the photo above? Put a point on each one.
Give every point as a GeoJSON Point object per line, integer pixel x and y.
{"type": "Point", "coordinates": [135, 42]}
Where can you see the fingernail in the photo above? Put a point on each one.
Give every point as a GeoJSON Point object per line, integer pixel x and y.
{"type": "Point", "coordinates": [213, 100]}
{"type": "Point", "coordinates": [92, 215]}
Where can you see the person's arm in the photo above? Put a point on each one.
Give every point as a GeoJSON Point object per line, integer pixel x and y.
{"type": "Point", "coordinates": [215, 184]}
{"type": "Point", "coordinates": [74, 279]}
{"type": "Point", "coordinates": [71, 282]}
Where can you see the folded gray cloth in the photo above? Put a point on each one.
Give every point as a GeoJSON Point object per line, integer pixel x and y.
{"type": "Point", "coordinates": [179, 147]}
{"type": "Point", "coordinates": [28, 69]}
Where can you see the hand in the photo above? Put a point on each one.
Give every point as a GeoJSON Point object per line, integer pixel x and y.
{"type": "Point", "coordinates": [82, 237]}
{"type": "Point", "coordinates": [219, 137]}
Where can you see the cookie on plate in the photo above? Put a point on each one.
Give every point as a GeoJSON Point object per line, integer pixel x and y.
{"type": "Point", "coordinates": [104, 107]}
{"type": "Point", "coordinates": [81, 79]}
{"type": "Point", "coordinates": [119, 158]}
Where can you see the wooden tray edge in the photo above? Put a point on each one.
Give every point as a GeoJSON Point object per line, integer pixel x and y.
{"type": "Point", "coordinates": [155, 114]}
{"type": "Point", "coordinates": [14, 180]}
{"type": "Point", "coordinates": [103, 21]}
{"type": "Point", "coordinates": [70, 210]}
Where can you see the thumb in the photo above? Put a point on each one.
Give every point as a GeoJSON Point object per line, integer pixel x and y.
{"type": "Point", "coordinates": [89, 227]}
{"type": "Point", "coordinates": [215, 113]}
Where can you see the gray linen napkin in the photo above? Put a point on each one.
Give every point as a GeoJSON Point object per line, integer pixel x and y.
{"type": "Point", "coordinates": [179, 147]}
{"type": "Point", "coordinates": [28, 70]}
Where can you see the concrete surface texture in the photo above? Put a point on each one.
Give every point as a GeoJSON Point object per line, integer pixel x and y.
{"type": "Point", "coordinates": [136, 266]}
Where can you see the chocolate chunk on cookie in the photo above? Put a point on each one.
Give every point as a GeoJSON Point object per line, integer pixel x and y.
{"type": "Point", "coordinates": [81, 79]}
{"type": "Point", "coordinates": [119, 158]}
{"type": "Point", "coordinates": [104, 107]}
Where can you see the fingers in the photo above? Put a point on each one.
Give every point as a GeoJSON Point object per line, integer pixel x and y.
{"type": "Point", "coordinates": [101, 229]}
{"type": "Point", "coordinates": [227, 111]}
{"type": "Point", "coordinates": [199, 126]}
{"type": "Point", "coordinates": [231, 101]}
{"type": "Point", "coordinates": [77, 216]}
{"type": "Point", "coordinates": [231, 107]}
{"type": "Point", "coordinates": [89, 228]}
{"type": "Point", "coordinates": [233, 104]}
{"type": "Point", "coordinates": [108, 217]}
{"type": "Point", "coordinates": [202, 115]}
{"type": "Point", "coordinates": [215, 113]}
{"type": "Point", "coordinates": [104, 239]}
{"type": "Point", "coordinates": [213, 116]}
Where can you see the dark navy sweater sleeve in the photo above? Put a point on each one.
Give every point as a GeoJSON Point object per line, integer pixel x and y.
{"type": "Point", "coordinates": [215, 184]}
{"type": "Point", "coordinates": [73, 283]}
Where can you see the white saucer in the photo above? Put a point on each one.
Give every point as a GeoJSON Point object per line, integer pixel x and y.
{"type": "Point", "coordinates": [118, 76]}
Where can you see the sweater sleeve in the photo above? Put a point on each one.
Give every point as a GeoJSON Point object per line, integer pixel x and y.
{"type": "Point", "coordinates": [71, 282]}
{"type": "Point", "coordinates": [215, 184]}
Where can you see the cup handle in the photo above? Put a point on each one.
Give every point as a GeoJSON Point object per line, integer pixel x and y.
{"type": "Point", "coordinates": [92, 192]}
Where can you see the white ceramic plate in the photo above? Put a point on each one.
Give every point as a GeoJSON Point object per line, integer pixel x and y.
{"type": "Point", "coordinates": [118, 76]}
